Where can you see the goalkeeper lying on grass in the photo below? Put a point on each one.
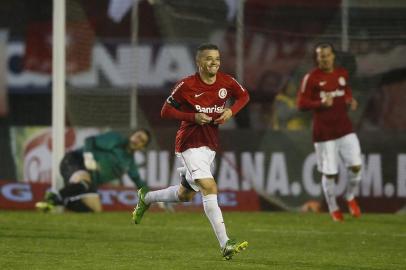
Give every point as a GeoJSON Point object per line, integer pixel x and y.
{"type": "Point", "coordinates": [103, 159]}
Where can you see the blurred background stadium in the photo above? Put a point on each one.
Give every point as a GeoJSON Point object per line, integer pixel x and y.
{"type": "Point", "coordinates": [124, 56]}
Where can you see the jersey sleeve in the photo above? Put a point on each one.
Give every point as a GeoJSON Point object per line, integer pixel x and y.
{"type": "Point", "coordinates": [240, 94]}
{"type": "Point", "coordinates": [106, 141]}
{"type": "Point", "coordinates": [172, 106]}
{"type": "Point", "coordinates": [305, 101]}
{"type": "Point", "coordinates": [348, 90]}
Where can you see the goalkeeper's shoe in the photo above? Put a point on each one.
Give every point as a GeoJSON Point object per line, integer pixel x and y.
{"type": "Point", "coordinates": [232, 248]}
{"type": "Point", "coordinates": [353, 206]}
{"type": "Point", "coordinates": [44, 206]}
{"type": "Point", "coordinates": [141, 207]}
{"type": "Point", "coordinates": [53, 198]}
{"type": "Point", "coordinates": [50, 202]}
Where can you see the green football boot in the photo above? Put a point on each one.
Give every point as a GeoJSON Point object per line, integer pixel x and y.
{"type": "Point", "coordinates": [44, 206]}
{"type": "Point", "coordinates": [232, 248]}
{"type": "Point", "coordinates": [141, 206]}
{"type": "Point", "coordinates": [50, 203]}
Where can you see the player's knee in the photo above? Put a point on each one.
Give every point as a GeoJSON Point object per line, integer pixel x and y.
{"type": "Point", "coordinates": [207, 186]}
{"type": "Point", "coordinates": [355, 169]}
{"type": "Point", "coordinates": [354, 173]}
{"type": "Point", "coordinates": [186, 196]}
{"type": "Point", "coordinates": [331, 176]}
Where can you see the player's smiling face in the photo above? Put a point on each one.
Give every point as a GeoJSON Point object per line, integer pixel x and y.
{"type": "Point", "coordinates": [325, 59]}
{"type": "Point", "coordinates": [208, 62]}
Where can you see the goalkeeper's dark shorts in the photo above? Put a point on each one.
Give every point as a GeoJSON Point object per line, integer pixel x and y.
{"type": "Point", "coordinates": [71, 163]}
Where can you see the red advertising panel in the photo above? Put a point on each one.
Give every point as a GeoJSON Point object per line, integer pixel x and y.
{"type": "Point", "coordinates": [23, 196]}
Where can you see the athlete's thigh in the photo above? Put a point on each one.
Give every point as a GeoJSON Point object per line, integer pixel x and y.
{"type": "Point", "coordinates": [185, 192]}
{"type": "Point", "coordinates": [327, 157]}
{"type": "Point", "coordinates": [198, 162]}
{"type": "Point", "coordinates": [350, 150]}
{"type": "Point", "coordinates": [92, 200]}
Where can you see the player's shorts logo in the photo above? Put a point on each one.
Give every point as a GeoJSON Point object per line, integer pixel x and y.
{"type": "Point", "coordinates": [341, 81]}
{"type": "Point", "coordinates": [222, 93]}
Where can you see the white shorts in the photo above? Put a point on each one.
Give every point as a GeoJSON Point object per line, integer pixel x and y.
{"type": "Point", "coordinates": [198, 163]}
{"type": "Point", "coordinates": [328, 153]}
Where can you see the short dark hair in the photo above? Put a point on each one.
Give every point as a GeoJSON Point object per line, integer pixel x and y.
{"type": "Point", "coordinates": [146, 131]}
{"type": "Point", "coordinates": [206, 46]}
{"type": "Point", "coordinates": [324, 45]}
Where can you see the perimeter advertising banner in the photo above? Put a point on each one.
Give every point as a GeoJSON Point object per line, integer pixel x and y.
{"type": "Point", "coordinates": [23, 196]}
{"type": "Point", "coordinates": [279, 166]}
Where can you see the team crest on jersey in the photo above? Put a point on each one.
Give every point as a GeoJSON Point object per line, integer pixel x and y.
{"type": "Point", "coordinates": [341, 81]}
{"type": "Point", "coordinates": [222, 93]}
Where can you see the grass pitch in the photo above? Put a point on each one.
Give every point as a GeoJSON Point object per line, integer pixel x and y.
{"type": "Point", "coordinates": [30, 240]}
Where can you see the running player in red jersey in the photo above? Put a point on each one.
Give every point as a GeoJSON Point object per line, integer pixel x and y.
{"type": "Point", "coordinates": [326, 92]}
{"type": "Point", "coordinates": [199, 102]}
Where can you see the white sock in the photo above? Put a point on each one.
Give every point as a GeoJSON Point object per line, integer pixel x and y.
{"type": "Point", "coordinates": [213, 213]}
{"type": "Point", "coordinates": [329, 194]}
{"type": "Point", "coordinates": [169, 194]}
{"type": "Point", "coordinates": [353, 182]}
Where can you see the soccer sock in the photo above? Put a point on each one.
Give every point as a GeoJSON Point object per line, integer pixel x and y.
{"type": "Point", "coordinates": [353, 182]}
{"type": "Point", "coordinates": [213, 213]}
{"type": "Point", "coordinates": [328, 188]}
{"type": "Point", "coordinates": [74, 189]}
{"type": "Point", "coordinates": [169, 194]}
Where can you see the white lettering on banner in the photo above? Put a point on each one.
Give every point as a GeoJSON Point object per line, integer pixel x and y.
{"type": "Point", "coordinates": [144, 65]}
{"type": "Point", "coordinates": [268, 172]}
{"type": "Point", "coordinates": [401, 182]}
{"type": "Point", "coordinates": [172, 62]}
{"type": "Point", "coordinates": [126, 197]}
{"type": "Point", "coordinates": [234, 174]}
{"type": "Point", "coordinates": [228, 175]}
{"type": "Point", "coordinates": [253, 171]}
{"type": "Point", "coordinates": [140, 160]}
{"type": "Point", "coordinates": [158, 170]}
{"type": "Point", "coordinates": [341, 183]}
{"type": "Point", "coordinates": [17, 192]}
{"type": "Point", "coordinates": [278, 182]}
{"type": "Point", "coordinates": [372, 176]}
{"type": "Point", "coordinates": [224, 199]}
{"type": "Point", "coordinates": [175, 176]}
{"type": "Point", "coordinates": [312, 187]}
{"type": "Point", "coordinates": [27, 78]}
{"type": "Point", "coordinates": [106, 196]}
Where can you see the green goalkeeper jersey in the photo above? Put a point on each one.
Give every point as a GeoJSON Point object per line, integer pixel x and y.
{"type": "Point", "coordinates": [113, 158]}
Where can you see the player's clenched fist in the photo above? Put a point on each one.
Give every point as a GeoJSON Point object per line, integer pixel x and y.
{"type": "Point", "coordinates": [202, 118]}
{"type": "Point", "coordinates": [327, 101]}
{"type": "Point", "coordinates": [227, 113]}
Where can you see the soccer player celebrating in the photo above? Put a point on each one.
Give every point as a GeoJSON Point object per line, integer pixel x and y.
{"type": "Point", "coordinates": [104, 158]}
{"type": "Point", "coordinates": [199, 102]}
{"type": "Point", "coordinates": [326, 92]}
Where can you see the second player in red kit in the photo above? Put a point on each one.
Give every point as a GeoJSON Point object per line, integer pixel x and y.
{"type": "Point", "coordinates": [326, 92]}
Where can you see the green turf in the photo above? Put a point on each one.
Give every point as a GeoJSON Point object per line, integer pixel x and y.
{"type": "Point", "coordinates": [30, 240]}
